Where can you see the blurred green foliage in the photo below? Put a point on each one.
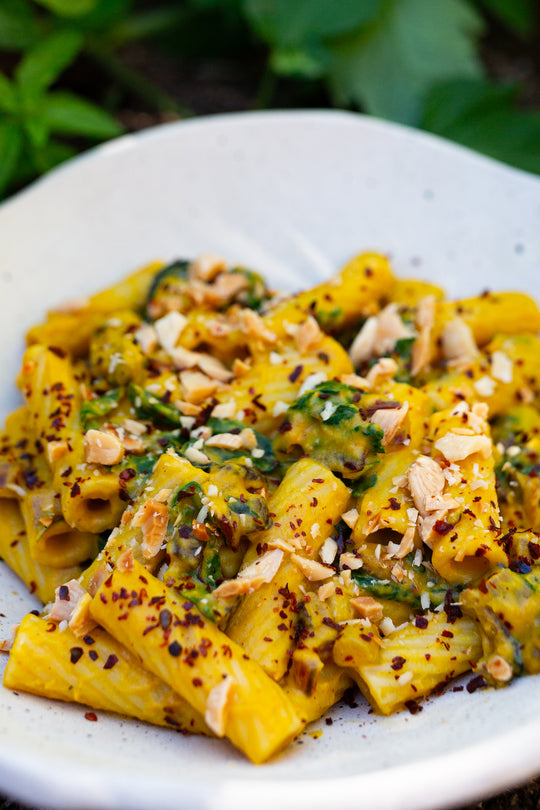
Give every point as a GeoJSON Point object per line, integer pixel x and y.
{"type": "Point", "coordinates": [417, 62]}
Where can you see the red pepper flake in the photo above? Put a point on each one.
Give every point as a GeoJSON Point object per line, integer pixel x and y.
{"type": "Point", "coordinates": [267, 638]}
{"type": "Point", "coordinates": [91, 716]}
{"type": "Point", "coordinates": [394, 504]}
{"type": "Point", "coordinates": [476, 683]}
{"type": "Point", "coordinates": [63, 593]}
{"type": "Point", "coordinates": [442, 527]}
{"type": "Point", "coordinates": [127, 475]}
{"type": "Point", "coordinates": [197, 682]}
{"type": "Point", "coordinates": [413, 706]}
{"type": "Point", "coordinates": [318, 480]}
{"type": "Point", "coordinates": [397, 662]}
{"type": "Point", "coordinates": [175, 649]}
{"type": "Point", "coordinates": [110, 662]}
{"type": "Point", "coordinates": [295, 373]}
{"type": "Point", "coordinates": [75, 653]}
{"type": "Point", "coordinates": [421, 622]}
{"type": "Point", "coordinates": [93, 655]}
{"type": "Point", "coordinates": [447, 634]}
{"type": "Point", "coordinates": [89, 640]}
{"type": "Point", "coordinates": [75, 490]}
{"type": "Point", "coordinates": [482, 587]}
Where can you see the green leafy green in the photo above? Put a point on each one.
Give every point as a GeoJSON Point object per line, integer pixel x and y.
{"type": "Point", "coordinates": [42, 65]}
{"type": "Point", "coordinates": [93, 410]}
{"type": "Point", "coordinates": [10, 150]}
{"type": "Point", "coordinates": [19, 26]}
{"type": "Point", "coordinates": [389, 66]}
{"type": "Point", "coordinates": [148, 406]}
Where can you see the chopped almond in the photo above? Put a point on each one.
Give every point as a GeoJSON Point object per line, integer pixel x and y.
{"type": "Point", "coordinates": [66, 599]}
{"type": "Point", "coordinates": [147, 339]}
{"type": "Point", "coordinates": [163, 495]}
{"type": "Point", "coordinates": [196, 456]}
{"type": "Point", "coordinates": [197, 386]}
{"type": "Point", "coordinates": [367, 608]}
{"type": "Point", "coordinates": [56, 450]}
{"type": "Point", "coordinates": [426, 480]}
{"type": "Point", "coordinates": [458, 344]}
{"type": "Point", "coordinates": [350, 561]}
{"type": "Point", "coordinates": [355, 381]}
{"type": "Point", "coordinates": [502, 367]}
{"type": "Point", "coordinates": [103, 448]}
{"type": "Point", "coordinates": [253, 326]}
{"type": "Point", "coordinates": [328, 551]}
{"type": "Point", "coordinates": [326, 591]}
{"type": "Point", "coordinates": [217, 706]}
{"type": "Point", "coordinates": [186, 408]}
{"type": "Point", "coordinates": [219, 328]}
{"type": "Point", "coordinates": [132, 445]}
{"type": "Point", "coordinates": [456, 448]}
{"type": "Point", "coordinates": [152, 517]}
{"type": "Point", "coordinates": [383, 370]}
{"type": "Point", "coordinates": [312, 570]}
{"type": "Point", "coordinates": [425, 320]}
{"type": "Point", "coordinates": [125, 562]}
{"type": "Point", "coordinates": [398, 573]}
{"type": "Point", "coordinates": [206, 267]}
{"type": "Point", "coordinates": [350, 518]}
{"type": "Point", "coordinates": [390, 421]}
{"type": "Point", "coordinates": [251, 578]}
{"type": "Point", "coordinates": [134, 427]}
{"type": "Point", "coordinates": [225, 287]}
{"type": "Point", "coordinates": [308, 335]}
{"type": "Point", "coordinates": [407, 542]}
{"type": "Point", "coordinates": [362, 347]}
{"type": "Point", "coordinates": [169, 328]}
{"type": "Point", "coordinates": [6, 644]}
{"type": "Point", "coordinates": [81, 622]}
{"type": "Point", "coordinates": [213, 368]}
{"type": "Point", "coordinates": [228, 441]}
{"type": "Point", "coordinates": [225, 410]}
{"type": "Point", "coordinates": [390, 329]}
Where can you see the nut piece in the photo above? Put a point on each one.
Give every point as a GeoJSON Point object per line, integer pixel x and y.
{"type": "Point", "coordinates": [251, 578]}
{"type": "Point", "coordinates": [56, 450]}
{"type": "Point", "coordinates": [152, 517]}
{"type": "Point", "coordinates": [425, 320]}
{"type": "Point", "coordinates": [426, 481]}
{"type": "Point", "coordinates": [103, 448]}
{"type": "Point", "coordinates": [217, 705]}
{"type": "Point", "coordinates": [206, 267]}
{"type": "Point", "coordinates": [66, 599]}
{"type": "Point", "coordinates": [308, 335]}
{"type": "Point", "coordinates": [81, 622]}
{"type": "Point", "coordinates": [312, 570]}
{"type": "Point", "coordinates": [456, 447]}
{"type": "Point", "coordinates": [383, 370]}
{"type": "Point", "coordinates": [253, 326]}
{"type": "Point", "coordinates": [367, 608]}
{"type": "Point", "coordinates": [458, 344]}
{"type": "Point", "coordinates": [197, 386]}
{"type": "Point", "coordinates": [390, 421]}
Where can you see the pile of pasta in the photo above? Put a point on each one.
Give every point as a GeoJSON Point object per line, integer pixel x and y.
{"type": "Point", "coordinates": [236, 505]}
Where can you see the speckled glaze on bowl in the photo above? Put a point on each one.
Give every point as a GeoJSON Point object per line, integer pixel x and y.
{"type": "Point", "coordinates": [294, 195]}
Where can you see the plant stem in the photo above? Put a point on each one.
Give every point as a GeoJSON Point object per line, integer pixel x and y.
{"type": "Point", "coordinates": [134, 82]}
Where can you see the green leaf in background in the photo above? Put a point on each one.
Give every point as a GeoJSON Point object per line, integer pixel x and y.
{"type": "Point", "coordinates": [8, 96]}
{"type": "Point", "coordinates": [42, 65]}
{"type": "Point", "coordinates": [389, 66]}
{"type": "Point", "coordinates": [10, 149]}
{"type": "Point", "coordinates": [519, 15]}
{"type": "Point", "coordinates": [67, 114]}
{"type": "Point", "coordinates": [309, 62]}
{"type": "Point", "coordinates": [19, 28]}
{"type": "Point", "coordinates": [485, 117]}
{"type": "Point", "coordinates": [69, 8]}
{"type": "Point", "coordinates": [292, 23]}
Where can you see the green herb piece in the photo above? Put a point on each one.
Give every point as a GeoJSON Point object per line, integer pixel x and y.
{"type": "Point", "coordinates": [148, 406]}
{"type": "Point", "coordinates": [93, 410]}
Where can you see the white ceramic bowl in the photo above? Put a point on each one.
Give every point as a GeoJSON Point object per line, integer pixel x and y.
{"type": "Point", "coordinates": [294, 195]}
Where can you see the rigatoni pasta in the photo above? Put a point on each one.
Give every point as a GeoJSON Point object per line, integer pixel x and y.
{"type": "Point", "coordinates": [236, 505]}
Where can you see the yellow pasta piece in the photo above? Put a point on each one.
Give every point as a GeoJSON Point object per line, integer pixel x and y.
{"type": "Point", "coordinates": [94, 670]}
{"type": "Point", "coordinates": [410, 662]}
{"type": "Point", "coordinates": [306, 506]}
{"type": "Point", "coordinates": [487, 315]}
{"type": "Point", "coordinates": [89, 493]}
{"type": "Point", "coordinates": [40, 579]}
{"type": "Point", "coordinates": [204, 666]}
